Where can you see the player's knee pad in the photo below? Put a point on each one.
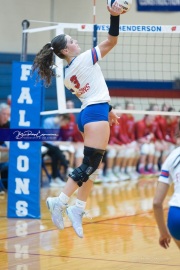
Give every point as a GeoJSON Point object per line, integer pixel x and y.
{"type": "Point", "coordinates": [129, 153]}
{"type": "Point", "coordinates": [121, 153]}
{"type": "Point", "coordinates": [91, 161]}
{"type": "Point", "coordinates": [165, 153]}
{"type": "Point", "coordinates": [157, 154]}
{"type": "Point", "coordinates": [151, 149]}
{"type": "Point", "coordinates": [111, 153]}
{"type": "Point", "coordinates": [145, 149]}
{"type": "Point", "coordinates": [79, 153]}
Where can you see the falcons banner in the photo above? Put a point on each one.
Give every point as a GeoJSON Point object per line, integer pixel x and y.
{"type": "Point", "coordinates": [158, 5]}
{"type": "Point", "coordinates": [24, 157]}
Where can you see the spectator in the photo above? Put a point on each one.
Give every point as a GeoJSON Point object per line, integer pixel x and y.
{"type": "Point", "coordinates": [168, 126]}
{"type": "Point", "coordinates": [147, 132]}
{"type": "Point", "coordinates": [57, 157]}
{"type": "Point", "coordinates": [67, 135]}
{"type": "Point", "coordinates": [133, 147]}
{"type": "Point", "coordinates": [4, 146]}
{"type": "Point", "coordinates": [161, 146]}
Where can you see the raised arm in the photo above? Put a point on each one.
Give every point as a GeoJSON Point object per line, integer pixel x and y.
{"type": "Point", "coordinates": [106, 45]}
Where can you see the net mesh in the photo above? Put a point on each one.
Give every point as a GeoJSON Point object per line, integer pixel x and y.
{"type": "Point", "coordinates": [143, 68]}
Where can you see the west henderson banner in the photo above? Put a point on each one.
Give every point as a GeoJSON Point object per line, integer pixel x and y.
{"type": "Point", "coordinates": [158, 5]}
{"type": "Point", "coordinates": [24, 156]}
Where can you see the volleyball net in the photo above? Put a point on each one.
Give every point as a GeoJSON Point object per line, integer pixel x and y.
{"type": "Point", "coordinates": [143, 68]}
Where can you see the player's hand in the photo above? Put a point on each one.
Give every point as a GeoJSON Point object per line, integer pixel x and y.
{"type": "Point", "coordinates": [113, 118]}
{"type": "Point", "coordinates": [164, 240]}
{"type": "Point", "coordinates": [116, 9]}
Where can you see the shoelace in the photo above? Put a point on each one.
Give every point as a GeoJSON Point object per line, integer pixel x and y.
{"type": "Point", "coordinates": [85, 213]}
{"type": "Point", "coordinates": [62, 209]}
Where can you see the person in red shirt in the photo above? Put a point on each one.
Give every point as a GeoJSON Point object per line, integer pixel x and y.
{"type": "Point", "coordinates": [68, 133]}
{"type": "Point", "coordinates": [122, 148]}
{"type": "Point", "coordinates": [168, 126]}
{"type": "Point", "coordinates": [147, 133]}
{"type": "Point", "coordinates": [115, 154]}
{"type": "Point", "coordinates": [134, 150]}
{"type": "Point", "coordinates": [161, 146]}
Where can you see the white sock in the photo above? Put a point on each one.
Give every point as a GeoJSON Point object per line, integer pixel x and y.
{"type": "Point", "coordinates": [64, 198]}
{"type": "Point", "coordinates": [80, 204]}
{"type": "Point", "coordinates": [116, 169]}
{"type": "Point", "coordinates": [149, 166]}
{"type": "Point", "coordinates": [129, 169]}
{"type": "Point", "coordinates": [141, 166]}
{"type": "Point", "coordinates": [100, 172]}
{"type": "Point", "coordinates": [109, 170]}
{"type": "Point", "coordinates": [133, 168]}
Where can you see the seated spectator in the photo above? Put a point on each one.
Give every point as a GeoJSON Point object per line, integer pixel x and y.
{"type": "Point", "coordinates": [58, 159]}
{"type": "Point", "coordinates": [147, 133]}
{"type": "Point", "coordinates": [67, 135]}
{"type": "Point", "coordinates": [168, 126]}
{"type": "Point", "coordinates": [133, 151]}
{"type": "Point", "coordinates": [161, 145]}
{"type": "Point", "coordinates": [4, 146]}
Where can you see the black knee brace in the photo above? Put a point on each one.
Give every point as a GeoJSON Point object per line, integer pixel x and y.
{"type": "Point", "coordinates": [91, 161]}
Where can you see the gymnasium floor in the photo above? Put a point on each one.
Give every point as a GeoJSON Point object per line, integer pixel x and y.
{"type": "Point", "coordinates": [122, 234]}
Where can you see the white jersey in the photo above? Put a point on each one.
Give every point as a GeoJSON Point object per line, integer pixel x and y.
{"type": "Point", "coordinates": [84, 78]}
{"type": "Point", "coordinates": [170, 173]}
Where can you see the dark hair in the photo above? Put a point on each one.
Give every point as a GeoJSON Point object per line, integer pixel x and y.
{"type": "Point", "coordinates": [44, 59]}
{"type": "Point", "coordinates": [65, 116]}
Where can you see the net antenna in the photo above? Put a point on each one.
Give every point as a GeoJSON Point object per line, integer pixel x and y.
{"type": "Point", "coordinates": [94, 25]}
{"type": "Point", "coordinates": [145, 55]}
{"type": "Point", "coordinates": [25, 25]}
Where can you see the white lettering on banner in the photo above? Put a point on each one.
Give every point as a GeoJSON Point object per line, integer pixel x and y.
{"type": "Point", "coordinates": [21, 251]}
{"type": "Point", "coordinates": [133, 28]}
{"type": "Point", "coordinates": [21, 208]}
{"type": "Point", "coordinates": [22, 267]}
{"type": "Point", "coordinates": [21, 228]}
{"type": "Point", "coordinates": [22, 186]}
{"type": "Point", "coordinates": [22, 122]}
{"type": "Point", "coordinates": [25, 96]}
{"type": "Point", "coordinates": [22, 163]}
{"type": "Point", "coordinates": [23, 145]}
{"type": "Point", "coordinates": [25, 72]}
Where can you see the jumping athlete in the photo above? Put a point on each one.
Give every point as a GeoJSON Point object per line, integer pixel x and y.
{"type": "Point", "coordinates": [84, 78]}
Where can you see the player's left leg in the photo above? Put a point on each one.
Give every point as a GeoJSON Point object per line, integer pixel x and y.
{"type": "Point", "coordinates": [96, 136]}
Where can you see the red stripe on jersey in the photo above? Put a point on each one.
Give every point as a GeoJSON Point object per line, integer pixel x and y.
{"type": "Point", "coordinates": [94, 56]}
{"type": "Point", "coordinates": [165, 174]}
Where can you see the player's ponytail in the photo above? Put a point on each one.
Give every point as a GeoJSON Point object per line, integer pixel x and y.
{"type": "Point", "coordinates": [44, 60]}
{"type": "Point", "coordinates": [43, 63]}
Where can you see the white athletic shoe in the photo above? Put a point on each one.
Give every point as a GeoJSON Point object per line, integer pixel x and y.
{"type": "Point", "coordinates": [75, 215]}
{"type": "Point", "coordinates": [123, 176]}
{"type": "Point", "coordinates": [112, 177]}
{"type": "Point", "coordinates": [57, 182]}
{"type": "Point", "coordinates": [56, 208]}
{"type": "Point", "coordinates": [133, 176]}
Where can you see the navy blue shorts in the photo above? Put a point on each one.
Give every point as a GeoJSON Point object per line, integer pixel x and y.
{"type": "Point", "coordinates": [93, 113]}
{"type": "Point", "coordinates": [173, 222]}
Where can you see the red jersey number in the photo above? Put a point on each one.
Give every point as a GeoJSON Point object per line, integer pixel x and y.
{"type": "Point", "coordinates": [75, 81]}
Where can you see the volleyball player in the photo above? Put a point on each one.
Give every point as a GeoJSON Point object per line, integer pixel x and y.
{"type": "Point", "coordinates": [84, 78]}
{"type": "Point", "coordinates": [170, 173]}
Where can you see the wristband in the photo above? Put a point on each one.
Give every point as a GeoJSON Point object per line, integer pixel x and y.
{"type": "Point", "coordinates": [114, 26]}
